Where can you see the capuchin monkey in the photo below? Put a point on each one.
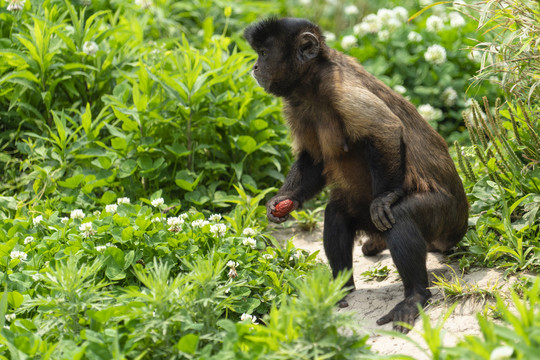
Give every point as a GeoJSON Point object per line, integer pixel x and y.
{"type": "Point", "coordinates": [390, 173]}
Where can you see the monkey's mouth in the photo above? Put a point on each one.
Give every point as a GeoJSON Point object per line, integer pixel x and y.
{"type": "Point", "coordinates": [263, 82]}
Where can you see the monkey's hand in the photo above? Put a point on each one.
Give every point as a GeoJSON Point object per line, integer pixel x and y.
{"type": "Point", "coordinates": [380, 211]}
{"type": "Point", "coordinates": [271, 208]}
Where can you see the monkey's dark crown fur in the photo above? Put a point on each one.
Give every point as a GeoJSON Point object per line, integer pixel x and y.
{"type": "Point", "coordinates": [257, 33]}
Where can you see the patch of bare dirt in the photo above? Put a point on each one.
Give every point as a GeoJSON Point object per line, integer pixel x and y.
{"type": "Point", "coordinates": [373, 299]}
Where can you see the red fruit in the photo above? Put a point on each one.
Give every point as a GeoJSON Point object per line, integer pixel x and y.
{"type": "Point", "coordinates": [283, 208]}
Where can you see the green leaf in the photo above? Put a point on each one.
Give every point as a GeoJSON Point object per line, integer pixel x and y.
{"type": "Point", "coordinates": [15, 299]}
{"type": "Point", "coordinates": [72, 182]}
{"type": "Point", "coordinates": [188, 343]}
{"type": "Point", "coordinates": [247, 144]}
{"type": "Point", "coordinates": [86, 119]}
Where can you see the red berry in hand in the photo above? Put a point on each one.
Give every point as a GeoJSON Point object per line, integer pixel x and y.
{"type": "Point", "coordinates": [283, 208]}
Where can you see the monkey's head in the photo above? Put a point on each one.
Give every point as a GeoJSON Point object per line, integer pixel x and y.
{"type": "Point", "coordinates": [286, 49]}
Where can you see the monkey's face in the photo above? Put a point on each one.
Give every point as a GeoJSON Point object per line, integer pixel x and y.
{"type": "Point", "coordinates": [284, 47]}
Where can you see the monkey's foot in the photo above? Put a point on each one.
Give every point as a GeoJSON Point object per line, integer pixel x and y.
{"type": "Point", "coordinates": [404, 312]}
{"type": "Point", "coordinates": [373, 246]}
{"type": "Point", "coordinates": [342, 304]}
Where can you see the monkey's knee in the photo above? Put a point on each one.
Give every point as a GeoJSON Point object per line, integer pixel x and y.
{"type": "Point", "coordinates": [374, 245]}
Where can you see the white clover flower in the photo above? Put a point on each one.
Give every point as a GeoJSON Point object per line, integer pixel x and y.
{"type": "Point", "coordinates": [456, 20]}
{"type": "Point", "coordinates": [28, 240]}
{"type": "Point", "coordinates": [372, 23]}
{"type": "Point", "coordinates": [250, 242]}
{"type": "Point", "coordinates": [123, 200]}
{"type": "Point", "coordinates": [21, 255]}
{"type": "Point", "coordinates": [145, 4]}
{"type": "Point", "coordinates": [249, 232]}
{"type": "Point", "coordinates": [215, 217]}
{"type": "Point", "coordinates": [501, 353]}
{"type": "Point", "coordinates": [101, 248]}
{"type": "Point", "coordinates": [401, 13]}
{"type": "Point", "coordinates": [449, 97]}
{"type": "Point", "coordinates": [183, 216]}
{"type": "Point", "coordinates": [384, 35]}
{"type": "Point", "coordinates": [77, 214]}
{"type": "Point", "coordinates": [232, 263]}
{"type": "Point", "coordinates": [400, 89]}
{"type": "Point", "coordinates": [158, 202]}
{"type": "Point", "coordinates": [329, 36]}
{"type": "Point", "coordinates": [10, 317]}
{"type": "Point", "coordinates": [348, 41]}
{"type": "Point", "coordinates": [435, 54]}
{"type": "Point", "coordinates": [199, 223]}
{"type": "Point", "coordinates": [155, 219]}
{"type": "Point", "coordinates": [434, 23]}
{"type": "Point", "coordinates": [64, 220]}
{"type": "Point", "coordinates": [218, 229]}
{"type": "Point", "coordinates": [97, 213]}
{"type": "Point", "coordinates": [175, 224]}
{"type": "Point", "coordinates": [86, 229]}
{"type": "Point", "coordinates": [393, 24]}
{"type": "Point", "coordinates": [232, 273]}
{"type": "Point", "coordinates": [268, 256]}
{"type": "Point", "coordinates": [252, 318]}
{"type": "Point", "coordinates": [90, 48]}
{"type": "Point", "coordinates": [424, 3]}
{"type": "Point", "coordinates": [429, 113]}
{"type": "Point", "coordinates": [110, 245]}
{"type": "Point", "coordinates": [305, 2]}
{"type": "Point", "coordinates": [111, 208]}
{"type": "Point", "coordinates": [351, 10]}
{"type": "Point", "coordinates": [384, 15]}
{"type": "Point", "coordinates": [414, 37]}
{"type": "Point", "coordinates": [16, 5]}
{"type": "Point", "coordinates": [37, 220]}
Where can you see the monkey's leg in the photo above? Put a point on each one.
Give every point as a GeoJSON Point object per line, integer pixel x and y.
{"type": "Point", "coordinates": [338, 239]}
{"type": "Point", "coordinates": [408, 249]}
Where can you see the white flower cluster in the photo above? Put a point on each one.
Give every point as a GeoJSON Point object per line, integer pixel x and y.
{"type": "Point", "coordinates": [145, 4]}
{"type": "Point", "coordinates": [155, 219]}
{"type": "Point", "coordinates": [351, 10]}
{"type": "Point", "coordinates": [64, 220]}
{"type": "Point", "coordinates": [268, 256]}
{"type": "Point", "coordinates": [28, 240]}
{"type": "Point", "coordinates": [252, 318]}
{"type": "Point", "coordinates": [248, 232]}
{"type": "Point", "coordinates": [37, 220]}
{"type": "Point", "coordinates": [400, 89]}
{"type": "Point", "coordinates": [158, 202]}
{"type": "Point", "coordinates": [123, 200]}
{"type": "Point", "coordinates": [232, 271]}
{"type": "Point", "coordinates": [87, 229]}
{"type": "Point", "coordinates": [250, 242]}
{"type": "Point", "coordinates": [90, 48]}
{"type": "Point", "coordinates": [111, 208]}
{"type": "Point", "coordinates": [449, 97]}
{"type": "Point", "coordinates": [16, 5]}
{"type": "Point", "coordinates": [199, 223]}
{"type": "Point", "coordinates": [175, 224]}
{"type": "Point", "coordinates": [218, 230]}
{"type": "Point", "coordinates": [214, 217]}
{"type": "Point", "coordinates": [389, 19]}
{"type": "Point", "coordinates": [429, 113]}
{"type": "Point", "coordinates": [21, 255]}
{"type": "Point", "coordinates": [414, 37]}
{"type": "Point", "coordinates": [348, 41]}
{"type": "Point", "coordinates": [102, 248]}
{"type": "Point", "coordinates": [77, 214]}
{"type": "Point", "coordinates": [434, 23]}
{"type": "Point", "coordinates": [435, 54]}
{"type": "Point", "coordinates": [456, 20]}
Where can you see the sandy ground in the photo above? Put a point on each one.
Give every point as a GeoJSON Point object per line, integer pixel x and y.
{"type": "Point", "coordinates": [373, 299]}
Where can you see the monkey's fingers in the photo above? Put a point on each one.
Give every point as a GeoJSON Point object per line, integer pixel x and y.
{"type": "Point", "coordinates": [381, 215]}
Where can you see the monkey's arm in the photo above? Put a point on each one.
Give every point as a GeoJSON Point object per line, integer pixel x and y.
{"type": "Point", "coordinates": [367, 118]}
{"type": "Point", "coordinates": [304, 180]}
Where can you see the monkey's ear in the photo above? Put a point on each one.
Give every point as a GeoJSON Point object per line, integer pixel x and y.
{"type": "Point", "coordinates": [308, 47]}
